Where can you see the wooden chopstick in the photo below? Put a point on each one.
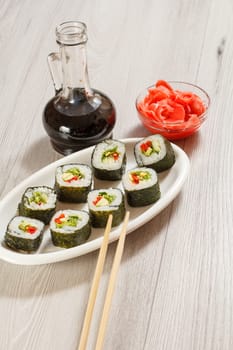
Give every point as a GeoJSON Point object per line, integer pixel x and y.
{"type": "Point", "coordinates": [95, 285]}
{"type": "Point", "coordinates": [111, 285]}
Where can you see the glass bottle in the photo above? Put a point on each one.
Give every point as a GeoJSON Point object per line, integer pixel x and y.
{"type": "Point", "coordinates": [77, 116]}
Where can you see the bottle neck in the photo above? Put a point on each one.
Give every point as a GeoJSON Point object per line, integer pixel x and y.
{"type": "Point", "coordinates": [74, 70]}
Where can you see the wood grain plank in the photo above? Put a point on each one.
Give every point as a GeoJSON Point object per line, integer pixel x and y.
{"type": "Point", "coordinates": [195, 282]}
{"type": "Point", "coordinates": [174, 289]}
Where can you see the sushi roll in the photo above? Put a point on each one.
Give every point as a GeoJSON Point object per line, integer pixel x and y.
{"type": "Point", "coordinates": [24, 234]}
{"type": "Point", "coordinates": [141, 186]}
{"type": "Point", "coordinates": [103, 202]}
{"type": "Point", "coordinates": [70, 228]}
{"type": "Point", "coordinates": [38, 203]}
{"type": "Point", "coordinates": [73, 182]}
{"type": "Point", "coordinates": [155, 152]}
{"type": "Point", "coordinates": [109, 160]}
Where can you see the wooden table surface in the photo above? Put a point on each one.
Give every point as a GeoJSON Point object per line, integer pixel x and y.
{"type": "Point", "coordinates": [175, 284]}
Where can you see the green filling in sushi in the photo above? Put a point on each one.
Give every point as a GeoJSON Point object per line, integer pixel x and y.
{"type": "Point", "coordinates": [73, 182]}
{"type": "Point", "coordinates": [109, 160]}
{"type": "Point", "coordinates": [24, 234]}
{"type": "Point", "coordinates": [155, 152]}
{"type": "Point", "coordinates": [38, 203]}
{"type": "Point", "coordinates": [104, 202]}
{"type": "Point", "coordinates": [141, 187]}
{"type": "Point", "coordinates": [70, 228]}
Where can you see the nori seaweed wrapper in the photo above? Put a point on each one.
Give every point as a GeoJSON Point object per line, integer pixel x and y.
{"type": "Point", "coordinates": [73, 194]}
{"type": "Point", "coordinates": [69, 240]}
{"type": "Point", "coordinates": [18, 238]}
{"type": "Point", "coordinates": [99, 218]}
{"type": "Point", "coordinates": [165, 163]}
{"type": "Point", "coordinates": [103, 173]}
{"type": "Point", "coordinates": [23, 244]}
{"type": "Point", "coordinates": [36, 213]}
{"type": "Point", "coordinates": [145, 196]}
{"type": "Point", "coordinates": [110, 175]}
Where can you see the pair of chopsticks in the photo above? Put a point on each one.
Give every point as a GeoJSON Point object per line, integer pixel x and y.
{"type": "Point", "coordinates": [95, 285]}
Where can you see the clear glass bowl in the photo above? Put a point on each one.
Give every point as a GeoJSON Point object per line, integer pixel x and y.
{"type": "Point", "coordinates": [178, 129]}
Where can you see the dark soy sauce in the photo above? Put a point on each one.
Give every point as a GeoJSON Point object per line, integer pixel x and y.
{"type": "Point", "coordinates": [78, 121]}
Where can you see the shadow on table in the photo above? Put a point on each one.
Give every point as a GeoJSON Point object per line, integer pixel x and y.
{"type": "Point", "coordinates": [46, 279]}
{"type": "Point", "coordinates": [39, 155]}
{"type": "Point", "coordinates": [137, 131]}
{"type": "Point", "coordinates": [190, 144]}
{"type": "Point", "coordinates": [152, 232]}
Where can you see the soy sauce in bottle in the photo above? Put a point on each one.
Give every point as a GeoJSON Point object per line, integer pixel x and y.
{"type": "Point", "coordinates": [77, 116]}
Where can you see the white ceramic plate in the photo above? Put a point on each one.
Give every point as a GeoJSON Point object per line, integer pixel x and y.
{"type": "Point", "coordinates": [171, 182]}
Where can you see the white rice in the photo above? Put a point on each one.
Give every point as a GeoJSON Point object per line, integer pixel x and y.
{"type": "Point", "coordinates": [51, 203]}
{"type": "Point", "coordinates": [83, 182]}
{"type": "Point", "coordinates": [81, 222]}
{"type": "Point", "coordinates": [109, 163]}
{"type": "Point", "coordinates": [14, 230]}
{"type": "Point", "coordinates": [114, 205]}
{"type": "Point", "coordinates": [157, 142]}
{"type": "Point", "coordinates": [130, 186]}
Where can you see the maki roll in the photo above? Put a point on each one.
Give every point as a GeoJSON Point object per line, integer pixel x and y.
{"type": "Point", "coordinates": [155, 152]}
{"type": "Point", "coordinates": [38, 203]}
{"type": "Point", "coordinates": [109, 160]}
{"type": "Point", "coordinates": [101, 203]}
{"type": "Point", "coordinates": [141, 186]}
{"type": "Point", "coordinates": [70, 228]}
{"type": "Point", "coordinates": [24, 234]}
{"type": "Point", "coordinates": [73, 182]}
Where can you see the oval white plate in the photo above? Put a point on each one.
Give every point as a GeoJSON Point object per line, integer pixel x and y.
{"type": "Point", "coordinates": [171, 183]}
